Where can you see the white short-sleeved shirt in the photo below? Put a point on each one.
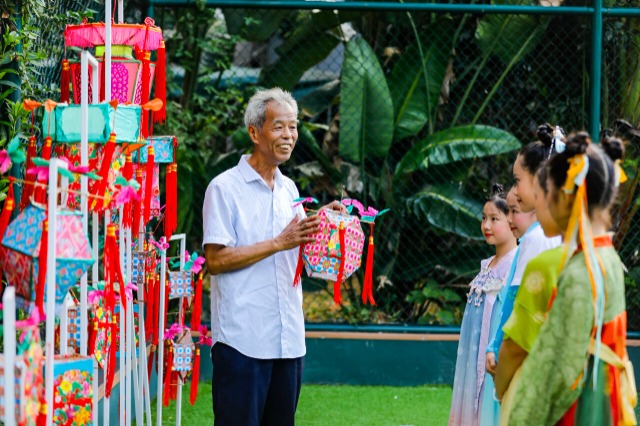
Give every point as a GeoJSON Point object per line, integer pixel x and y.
{"type": "Point", "coordinates": [256, 310]}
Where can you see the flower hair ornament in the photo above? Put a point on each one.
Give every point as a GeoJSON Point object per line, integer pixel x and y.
{"type": "Point", "coordinates": [579, 235]}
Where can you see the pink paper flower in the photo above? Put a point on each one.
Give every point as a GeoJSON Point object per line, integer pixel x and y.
{"type": "Point", "coordinates": [204, 338]}
{"type": "Point", "coordinates": [161, 245]}
{"type": "Point", "coordinates": [5, 161]}
{"type": "Point", "coordinates": [172, 331]}
{"type": "Point", "coordinates": [41, 172]}
{"type": "Point", "coordinates": [126, 194]}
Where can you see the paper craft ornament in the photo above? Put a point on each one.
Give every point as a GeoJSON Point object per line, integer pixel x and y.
{"type": "Point", "coordinates": [180, 355]}
{"type": "Point", "coordinates": [20, 253]}
{"type": "Point", "coordinates": [180, 284]}
{"type": "Point", "coordinates": [73, 390]}
{"type": "Point", "coordinates": [336, 252]}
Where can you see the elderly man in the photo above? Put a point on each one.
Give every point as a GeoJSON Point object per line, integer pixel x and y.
{"type": "Point", "coordinates": [251, 237]}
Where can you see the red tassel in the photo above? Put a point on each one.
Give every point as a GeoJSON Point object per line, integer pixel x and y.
{"type": "Point", "coordinates": [93, 335]}
{"type": "Point", "coordinates": [42, 266]}
{"type": "Point", "coordinates": [148, 185]}
{"type": "Point", "coordinates": [197, 305]}
{"type": "Point", "coordinates": [41, 418]}
{"type": "Point", "coordinates": [5, 216]}
{"type": "Point", "coordinates": [112, 271]}
{"type": "Point", "coordinates": [27, 189]}
{"type": "Point", "coordinates": [103, 78]}
{"type": "Point", "coordinates": [65, 79]}
{"type": "Point", "coordinates": [170, 214]}
{"type": "Point", "coordinates": [111, 364]}
{"type": "Point", "coordinates": [145, 57]}
{"type": "Point", "coordinates": [41, 191]}
{"type": "Point", "coordinates": [149, 298]}
{"type": "Point", "coordinates": [167, 378]}
{"type": "Point", "coordinates": [101, 185]}
{"type": "Point", "coordinates": [337, 297]}
{"type": "Point", "coordinates": [195, 378]}
{"type": "Point", "coordinates": [127, 173]}
{"type": "Point", "coordinates": [367, 286]}
{"type": "Point", "coordinates": [156, 311]}
{"type": "Point", "coordinates": [161, 83]}
{"type": "Point", "coordinates": [137, 207]}
{"type": "Point", "coordinates": [298, 277]}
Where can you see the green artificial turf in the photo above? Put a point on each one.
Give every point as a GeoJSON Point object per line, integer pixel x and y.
{"type": "Point", "coordinates": [340, 405]}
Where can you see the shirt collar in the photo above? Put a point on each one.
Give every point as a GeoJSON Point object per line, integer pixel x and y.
{"type": "Point", "coordinates": [533, 226]}
{"type": "Point", "coordinates": [249, 174]}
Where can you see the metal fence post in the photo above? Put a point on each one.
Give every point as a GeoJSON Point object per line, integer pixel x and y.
{"type": "Point", "coordinates": [595, 77]}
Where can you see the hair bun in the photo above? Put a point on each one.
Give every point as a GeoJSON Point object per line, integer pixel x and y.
{"type": "Point", "coordinates": [577, 143]}
{"type": "Point", "coordinates": [613, 147]}
{"type": "Point", "coordinates": [545, 134]}
{"type": "Point", "coordinates": [497, 189]}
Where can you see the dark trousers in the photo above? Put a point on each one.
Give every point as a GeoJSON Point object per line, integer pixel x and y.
{"type": "Point", "coordinates": [254, 392]}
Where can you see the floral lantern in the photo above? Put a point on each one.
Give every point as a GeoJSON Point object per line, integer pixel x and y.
{"type": "Point", "coordinates": [20, 252]}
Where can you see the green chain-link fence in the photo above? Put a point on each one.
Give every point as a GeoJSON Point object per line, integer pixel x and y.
{"type": "Point", "coordinates": [417, 111]}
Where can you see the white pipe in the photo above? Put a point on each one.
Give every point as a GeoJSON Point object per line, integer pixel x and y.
{"type": "Point", "coordinates": [121, 11]}
{"type": "Point", "coordinates": [183, 243]}
{"type": "Point", "coordinates": [9, 315]}
{"type": "Point", "coordinates": [123, 366]}
{"type": "Point", "coordinates": [86, 58]}
{"type": "Point", "coordinates": [52, 216]}
{"type": "Point", "coordinates": [163, 282]}
{"type": "Point", "coordinates": [108, 18]}
{"type": "Point", "coordinates": [64, 328]}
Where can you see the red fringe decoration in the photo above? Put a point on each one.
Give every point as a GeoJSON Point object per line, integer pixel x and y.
{"type": "Point", "coordinates": [41, 191]}
{"type": "Point", "coordinates": [298, 276]}
{"type": "Point", "coordinates": [42, 266]}
{"type": "Point", "coordinates": [101, 185]}
{"type": "Point", "coordinates": [171, 210]}
{"type": "Point", "coordinates": [149, 298]}
{"type": "Point", "coordinates": [337, 297]}
{"type": "Point", "coordinates": [112, 271]}
{"type": "Point", "coordinates": [41, 419]}
{"type": "Point", "coordinates": [367, 286]}
{"type": "Point", "coordinates": [93, 334]}
{"type": "Point", "coordinates": [27, 189]}
{"type": "Point", "coordinates": [65, 79]}
{"type": "Point", "coordinates": [102, 91]}
{"type": "Point", "coordinates": [5, 216]}
{"type": "Point", "coordinates": [196, 312]}
{"type": "Point", "coordinates": [195, 378]}
{"type": "Point", "coordinates": [156, 311]}
{"type": "Point", "coordinates": [150, 361]}
{"type": "Point", "coordinates": [145, 57]}
{"type": "Point", "coordinates": [111, 363]}
{"type": "Point", "coordinates": [148, 185]}
{"type": "Point", "coordinates": [127, 173]}
{"type": "Point", "coordinates": [167, 378]}
{"type": "Point", "coordinates": [161, 83]}
{"type": "Point", "coordinates": [135, 228]}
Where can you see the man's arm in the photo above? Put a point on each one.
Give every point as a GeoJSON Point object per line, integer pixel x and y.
{"type": "Point", "coordinates": [222, 259]}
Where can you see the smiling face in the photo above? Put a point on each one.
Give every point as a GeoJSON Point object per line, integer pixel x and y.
{"type": "Point", "coordinates": [519, 222]}
{"type": "Point", "coordinates": [523, 186]}
{"type": "Point", "coordinates": [495, 226]}
{"type": "Point", "coordinates": [274, 142]}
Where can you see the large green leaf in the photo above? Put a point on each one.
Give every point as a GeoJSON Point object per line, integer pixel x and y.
{"type": "Point", "coordinates": [505, 35]}
{"type": "Point", "coordinates": [366, 110]}
{"type": "Point", "coordinates": [288, 69]}
{"type": "Point", "coordinates": [414, 96]}
{"type": "Point", "coordinates": [447, 208]}
{"type": "Point", "coordinates": [319, 100]}
{"type": "Point", "coordinates": [456, 144]}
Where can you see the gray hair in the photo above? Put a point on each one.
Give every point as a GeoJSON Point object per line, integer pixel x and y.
{"type": "Point", "coordinates": [257, 106]}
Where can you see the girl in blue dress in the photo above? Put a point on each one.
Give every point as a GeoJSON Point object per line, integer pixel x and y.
{"type": "Point", "coordinates": [474, 334]}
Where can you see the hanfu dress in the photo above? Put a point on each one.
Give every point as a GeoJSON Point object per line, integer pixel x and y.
{"type": "Point", "coordinates": [556, 383]}
{"type": "Point", "coordinates": [474, 337]}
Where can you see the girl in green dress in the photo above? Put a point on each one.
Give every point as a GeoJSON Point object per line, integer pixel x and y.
{"type": "Point", "coordinates": [576, 370]}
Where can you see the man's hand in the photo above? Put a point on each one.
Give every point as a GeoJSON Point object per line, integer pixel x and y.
{"type": "Point", "coordinates": [491, 364]}
{"type": "Point", "coordinates": [298, 232]}
{"type": "Point", "coordinates": [335, 205]}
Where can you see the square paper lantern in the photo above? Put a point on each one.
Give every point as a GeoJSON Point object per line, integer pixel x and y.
{"type": "Point", "coordinates": [73, 390]}
{"type": "Point", "coordinates": [63, 125]}
{"type": "Point", "coordinates": [20, 251]}
{"type": "Point", "coordinates": [180, 284]}
{"type": "Point", "coordinates": [322, 258]}
{"type": "Point", "coordinates": [126, 79]}
{"type": "Point", "coordinates": [138, 268]}
{"type": "Point", "coordinates": [163, 150]}
{"type": "Point", "coordinates": [184, 351]}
